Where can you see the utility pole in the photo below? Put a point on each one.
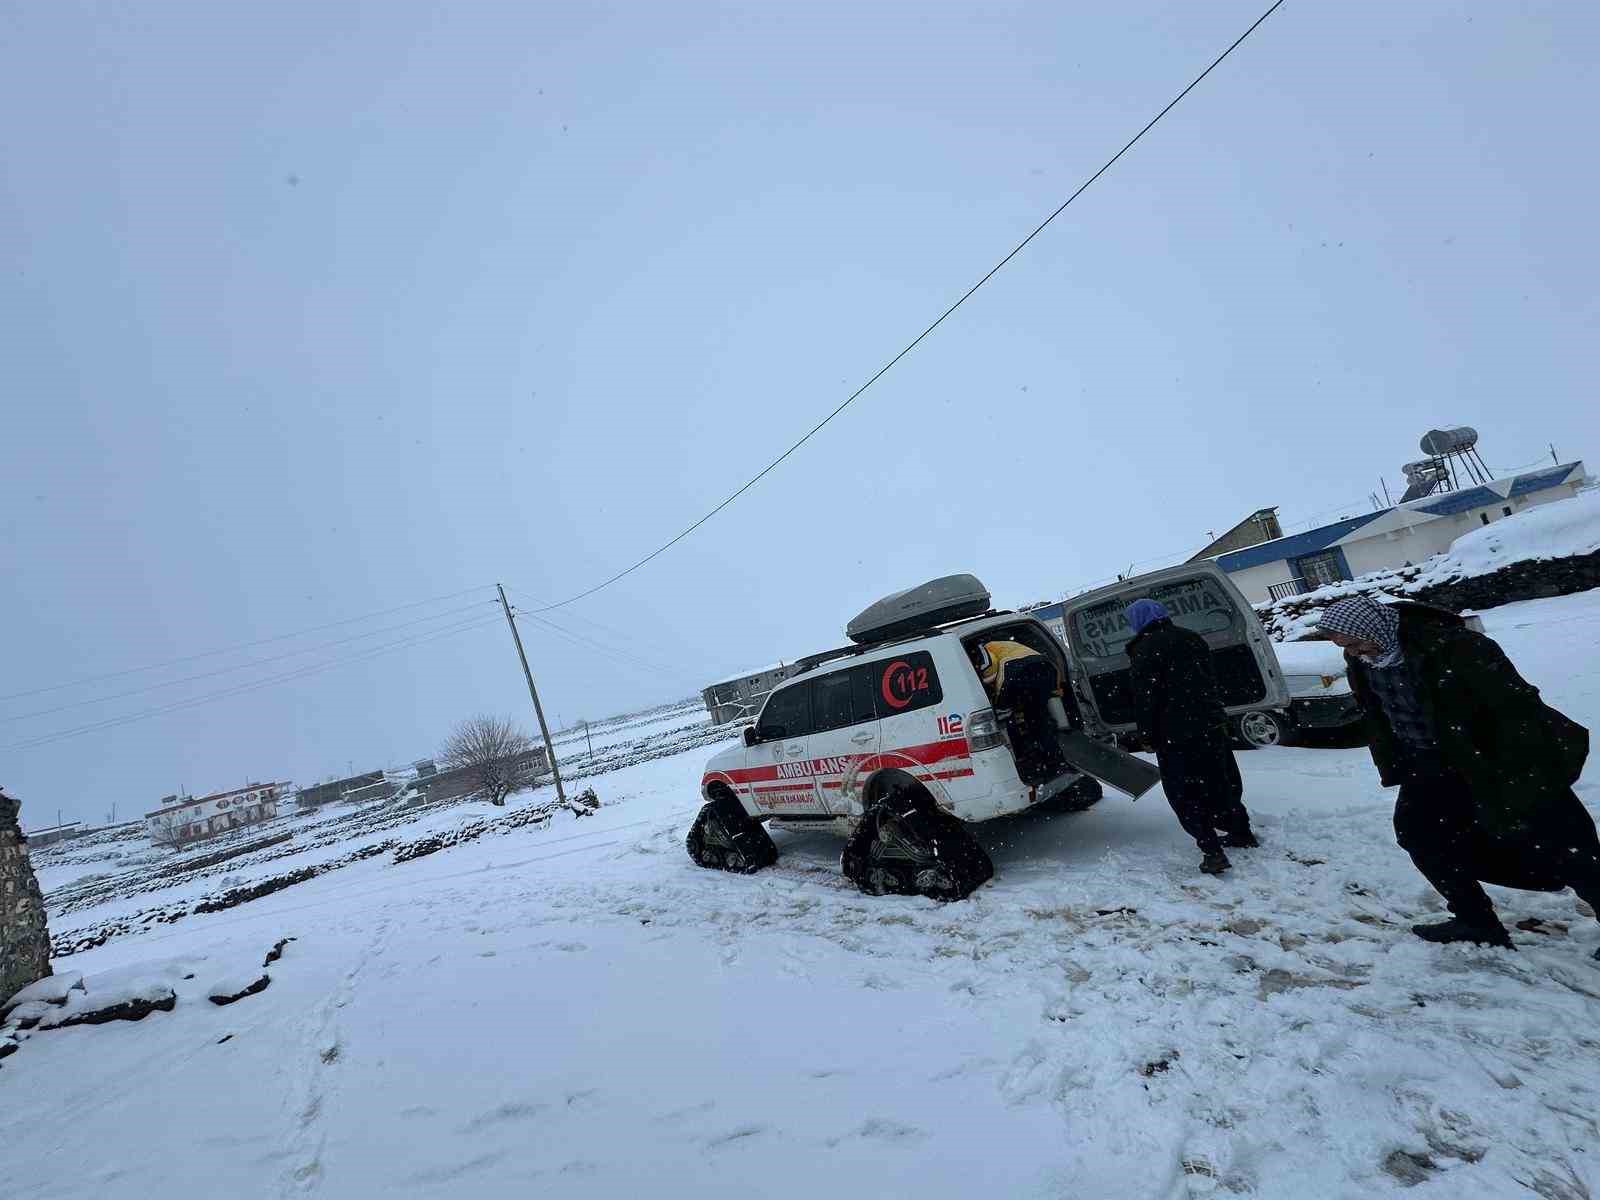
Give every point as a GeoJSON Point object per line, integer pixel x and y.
{"type": "Point", "coordinates": [589, 739]}
{"type": "Point", "coordinates": [533, 692]}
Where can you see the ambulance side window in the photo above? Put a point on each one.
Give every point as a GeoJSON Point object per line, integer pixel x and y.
{"type": "Point", "coordinates": [843, 698]}
{"type": "Point", "coordinates": [905, 684]}
{"type": "Point", "coordinates": [787, 714]}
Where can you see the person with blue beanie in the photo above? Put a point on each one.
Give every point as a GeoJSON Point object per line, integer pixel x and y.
{"type": "Point", "coordinates": [1142, 612]}
{"type": "Point", "coordinates": [1178, 704]}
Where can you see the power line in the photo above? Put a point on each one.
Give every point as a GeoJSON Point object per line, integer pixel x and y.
{"type": "Point", "coordinates": [625, 657]}
{"type": "Point", "coordinates": [254, 662]}
{"type": "Point", "coordinates": [624, 634]}
{"type": "Point", "coordinates": [621, 654]}
{"type": "Point", "coordinates": [916, 341]}
{"type": "Point", "coordinates": [411, 640]}
{"type": "Point", "coordinates": [282, 637]}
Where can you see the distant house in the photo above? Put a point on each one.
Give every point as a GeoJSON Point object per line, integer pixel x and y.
{"type": "Point", "coordinates": [381, 790]}
{"type": "Point", "coordinates": [739, 697]}
{"type": "Point", "coordinates": [1391, 537]}
{"type": "Point", "coordinates": [463, 781]}
{"type": "Point", "coordinates": [52, 834]}
{"type": "Point", "coordinates": [315, 797]}
{"type": "Point", "coordinates": [1260, 526]}
{"type": "Point", "coordinates": [184, 819]}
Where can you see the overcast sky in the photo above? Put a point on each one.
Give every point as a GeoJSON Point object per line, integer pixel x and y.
{"type": "Point", "coordinates": [312, 310]}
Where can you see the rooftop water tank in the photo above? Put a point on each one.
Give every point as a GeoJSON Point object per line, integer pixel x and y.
{"type": "Point", "coordinates": [1449, 441]}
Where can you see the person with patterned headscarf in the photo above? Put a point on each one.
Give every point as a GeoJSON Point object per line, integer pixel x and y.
{"type": "Point", "coordinates": [1485, 767]}
{"type": "Point", "coordinates": [1178, 705]}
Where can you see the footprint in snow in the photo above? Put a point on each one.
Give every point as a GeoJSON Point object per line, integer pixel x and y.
{"type": "Point", "coordinates": [453, 1171]}
{"type": "Point", "coordinates": [880, 1129]}
{"type": "Point", "coordinates": [502, 1114]}
{"type": "Point", "coordinates": [680, 1114]}
{"type": "Point", "coordinates": [733, 1137]}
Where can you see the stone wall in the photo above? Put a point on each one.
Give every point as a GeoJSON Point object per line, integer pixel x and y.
{"type": "Point", "coordinates": [1529, 579]}
{"type": "Point", "coordinates": [24, 939]}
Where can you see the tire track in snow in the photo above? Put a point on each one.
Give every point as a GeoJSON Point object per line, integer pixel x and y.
{"type": "Point", "coordinates": [304, 1144]}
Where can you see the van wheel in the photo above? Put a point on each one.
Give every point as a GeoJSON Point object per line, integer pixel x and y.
{"type": "Point", "coordinates": [907, 846]}
{"type": "Point", "coordinates": [1257, 730]}
{"type": "Point", "coordinates": [725, 838]}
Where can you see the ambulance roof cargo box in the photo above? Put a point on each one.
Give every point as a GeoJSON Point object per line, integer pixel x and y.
{"type": "Point", "coordinates": [937, 602]}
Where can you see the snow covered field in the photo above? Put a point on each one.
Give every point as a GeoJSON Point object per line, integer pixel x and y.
{"type": "Point", "coordinates": [570, 1008]}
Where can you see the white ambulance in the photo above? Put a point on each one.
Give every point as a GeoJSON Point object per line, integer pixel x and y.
{"type": "Point", "coordinates": [896, 741]}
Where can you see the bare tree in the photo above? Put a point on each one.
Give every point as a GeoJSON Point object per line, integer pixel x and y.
{"type": "Point", "coordinates": [493, 750]}
{"type": "Point", "coordinates": [166, 831]}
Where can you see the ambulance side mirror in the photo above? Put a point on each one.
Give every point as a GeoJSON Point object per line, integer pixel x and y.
{"type": "Point", "coordinates": [750, 737]}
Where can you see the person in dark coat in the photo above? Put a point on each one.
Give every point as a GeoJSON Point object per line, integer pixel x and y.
{"type": "Point", "coordinates": [1178, 705]}
{"type": "Point", "coordinates": [1485, 767]}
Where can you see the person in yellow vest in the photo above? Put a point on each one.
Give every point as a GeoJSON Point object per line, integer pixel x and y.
{"type": "Point", "coordinates": [1029, 686]}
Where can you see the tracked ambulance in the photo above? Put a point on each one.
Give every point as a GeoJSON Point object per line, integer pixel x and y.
{"type": "Point", "coordinates": [896, 742]}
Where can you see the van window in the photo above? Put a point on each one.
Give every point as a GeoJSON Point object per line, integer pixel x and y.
{"type": "Point", "coordinates": [787, 714]}
{"type": "Point", "coordinates": [905, 683]}
{"type": "Point", "coordinates": [842, 698]}
{"type": "Point", "coordinates": [1197, 604]}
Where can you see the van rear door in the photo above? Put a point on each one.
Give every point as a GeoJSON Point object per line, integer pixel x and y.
{"type": "Point", "coordinates": [1201, 598]}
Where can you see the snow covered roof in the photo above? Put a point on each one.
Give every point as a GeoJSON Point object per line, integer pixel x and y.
{"type": "Point", "coordinates": [738, 675]}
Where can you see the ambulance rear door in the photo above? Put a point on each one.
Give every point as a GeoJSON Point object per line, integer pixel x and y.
{"type": "Point", "coordinates": [1201, 598]}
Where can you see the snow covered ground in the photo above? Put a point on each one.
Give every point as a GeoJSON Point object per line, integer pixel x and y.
{"type": "Point", "coordinates": [570, 1008]}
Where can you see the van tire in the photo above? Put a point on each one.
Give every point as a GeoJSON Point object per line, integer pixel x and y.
{"type": "Point", "coordinates": [1081, 796]}
{"type": "Point", "coordinates": [906, 845]}
{"type": "Point", "coordinates": [725, 838]}
{"type": "Point", "coordinates": [1261, 729]}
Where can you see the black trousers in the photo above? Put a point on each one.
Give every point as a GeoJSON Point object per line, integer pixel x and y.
{"type": "Point", "coordinates": [1436, 823]}
{"type": "Point", "coordinates": [1026, 687]}
{"type": "Point", "coordinates": [1201, 780]}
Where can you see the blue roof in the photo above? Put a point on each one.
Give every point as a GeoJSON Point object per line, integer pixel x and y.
{"type": "Point", "coordinates": [1447, 504]}
{"type": "Point", "coordinates": [1539, 480]}
{"type": "Point", "coordinates": [1295, 545]}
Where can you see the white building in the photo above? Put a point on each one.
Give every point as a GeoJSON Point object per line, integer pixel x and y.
{"type": "Point", "coordinates": [184, 819]}
{"type": "Point", "coordinates": [1390, 538]}
{"type": "Point", "coordinates": [739, 697]}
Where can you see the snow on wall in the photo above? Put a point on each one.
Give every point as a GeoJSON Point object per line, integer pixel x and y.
{"type": "Point", "coordinates": [1563, 536]}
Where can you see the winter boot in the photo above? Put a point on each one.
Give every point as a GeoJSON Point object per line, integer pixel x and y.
{"type": "Point", "coordinates": [1215, 862]}
{"type": "Point", "coordinates": [1455, 929]}
{"type": "Point", "coordinates": [1240, 841]}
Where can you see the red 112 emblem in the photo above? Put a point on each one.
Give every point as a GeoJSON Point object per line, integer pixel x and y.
{"type": "Point", "coordinates": [902, 682]}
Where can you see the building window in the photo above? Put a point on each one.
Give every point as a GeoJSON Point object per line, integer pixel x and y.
{"type": "Point", "coordinates": [1319, 570]}
{"type": "Point", "coordinates": [1506, 510]}
{"type": "Point", "coordinates": [1484, 517]}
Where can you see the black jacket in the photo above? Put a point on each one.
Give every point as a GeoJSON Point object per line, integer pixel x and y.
{"type": "Point", "coordinates": [1518, 755]}
{"type": "Point", "coordinates": [1176, 699]}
